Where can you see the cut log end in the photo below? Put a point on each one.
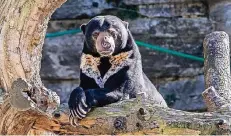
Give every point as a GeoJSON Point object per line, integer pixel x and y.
{"type": "Point", "coordinates": [25, 96]}
{"type": "Point", "coordinates": [214, 101]}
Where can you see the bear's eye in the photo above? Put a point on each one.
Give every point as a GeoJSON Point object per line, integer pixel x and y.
{"type": "Point", "coordinates": [95, 35]}
{"type": "Point", "coordinates": [113, 33]}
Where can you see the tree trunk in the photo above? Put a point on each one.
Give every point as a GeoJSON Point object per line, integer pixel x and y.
{"type": "Point", "coordinates": [29, 107]}
{"type": "Point", "coordinates": [23, 25]}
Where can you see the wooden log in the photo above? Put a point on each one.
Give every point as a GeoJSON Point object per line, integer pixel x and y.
{"type": "Point", "coordinates": [217, 68]}
{"type": "Point", "coordinates": [23, 25]}
{"type": "Point", "coordinates": [143, 118]}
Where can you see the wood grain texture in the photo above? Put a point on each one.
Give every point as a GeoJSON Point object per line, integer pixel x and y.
{"type": "Point", "coordinates": [217, 70]}
{"type": "Point", "coordinates": [23, 25]}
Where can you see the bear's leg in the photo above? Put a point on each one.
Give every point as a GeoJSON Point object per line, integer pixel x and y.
{"type": "Point", "coordinates": [81, 102]}
{"type": "Point", "coordinates": [101, 97]}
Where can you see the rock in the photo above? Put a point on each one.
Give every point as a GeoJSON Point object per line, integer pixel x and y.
{"type": "Point", "coordinates": [181, 34]}
{"type": "Point", "coordinates": [220, 13]}
{"type": "Point", "coordinates": [158, 65]}
{"type": "Point", "coordinates": [184, 94]}
{"type": "Point", "coordinates": [146, 2]}
{"type": "Point", "coordinates": [62, 87]}
{"type": "Point", "coordinates": [63, 25]}
{"type": "Point", "coordinates": [61, 57]}
{"type": "Point", "coordinates": [167, 8]}
{"type": "Point", "coordinates": [73, 9]}
{"type": "Point", "coordinates": [171, 27]}
{"type": "Point", "coordinates": [80, 8]}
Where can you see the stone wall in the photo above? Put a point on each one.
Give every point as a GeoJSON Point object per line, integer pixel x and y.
{"type": "Point", "coordinates": [179, 25]}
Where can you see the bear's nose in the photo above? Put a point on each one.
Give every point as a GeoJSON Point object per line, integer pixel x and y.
{"type": "Point", "coordinates": [105, 38]}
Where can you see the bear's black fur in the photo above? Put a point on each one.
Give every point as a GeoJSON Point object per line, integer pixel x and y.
{"type": "Point", "coordinates": [105, 80]}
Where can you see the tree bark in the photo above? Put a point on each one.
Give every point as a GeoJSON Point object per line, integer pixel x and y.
{"type": "Point", "coordinates": [23, 25]}
{"type": "Point", "coordinates": [143, 118]}
{"type": "Point", "coordinates": [217, 70]}
{"type": "Point", "coordinates": [29, 107]}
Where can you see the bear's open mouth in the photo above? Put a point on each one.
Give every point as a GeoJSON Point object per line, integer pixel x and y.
{"type": "Point", "coordinates": [105, 53]}
{"type": "Point", "coordinates": [106, 45]}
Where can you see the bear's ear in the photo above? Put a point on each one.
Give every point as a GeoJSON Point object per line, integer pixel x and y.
{"type": "Point", "coordinates": [83, 27]}
{"type": "Point", "coordinates": [126, 24]}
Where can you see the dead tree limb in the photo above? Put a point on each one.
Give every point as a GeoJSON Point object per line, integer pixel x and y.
{"type": "Point", "coordinates": [217, 70]}
{"type": "Point", "coordinates": [143, 118]}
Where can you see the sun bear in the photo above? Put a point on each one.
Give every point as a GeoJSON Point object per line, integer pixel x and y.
{"type": "Point", "coordinates": [110, 69]}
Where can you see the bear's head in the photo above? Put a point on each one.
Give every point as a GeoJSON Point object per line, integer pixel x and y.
{"type": "Point", "coordinates": [105, 35]}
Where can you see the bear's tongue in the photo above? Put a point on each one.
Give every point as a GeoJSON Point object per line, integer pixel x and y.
{"type": "Point", "coordinates": [106, 45]}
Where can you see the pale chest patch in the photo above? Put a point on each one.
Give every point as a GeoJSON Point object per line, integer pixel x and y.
{"type": "Point", "coordinates": [89, 66]}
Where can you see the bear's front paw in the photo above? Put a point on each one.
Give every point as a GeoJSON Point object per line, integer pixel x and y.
{"type": "Point", "coordinates": [77, 105]}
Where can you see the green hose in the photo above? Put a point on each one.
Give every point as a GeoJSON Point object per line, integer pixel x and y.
{"type": "Point", "coordinates": [172, 52]}
{"type": "Point", "coordinates": [61, 33]}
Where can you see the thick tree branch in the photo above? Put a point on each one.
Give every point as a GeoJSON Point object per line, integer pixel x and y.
{"type": "Point", "coordinates": [143, 118]}
{"type": "Point", "coordinates": [217, 70]}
